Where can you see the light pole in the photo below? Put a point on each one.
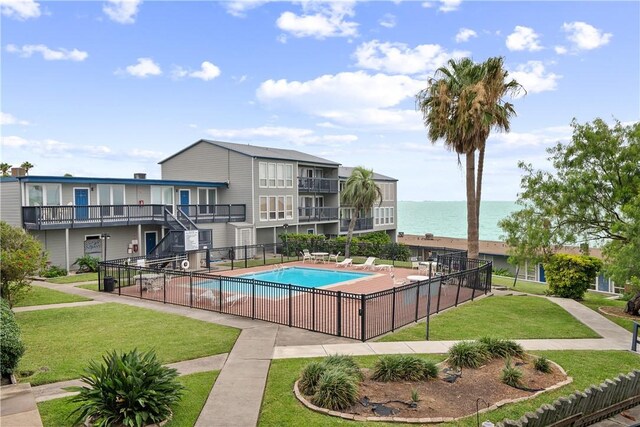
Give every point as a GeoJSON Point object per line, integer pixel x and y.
{"type": "Point", "coordinates": [105, 237]}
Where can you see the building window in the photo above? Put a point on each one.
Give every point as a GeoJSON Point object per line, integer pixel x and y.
{"type": "Point", "coordinates": [110, 194]}
{"type": "Point", "coordinates": [262, 174]}
{"type": "Point", "coordinates": [161, 195]}
{"type": "Point", "coordinates": [288, 175]}
{"type": "Point", "coordinates": [206, 200]}
{"type": "Point", "coordinates": [289, 207]}
{"type": "Point", "coordinates": [376, 216]}
{"type": "Point", "coordinates": [280, 207]}
{"type": "Point", "coordinates": [43, 194]}
{"type": "Point", "coordinates": [391, 219]}
{"type": "Point", "coordinates": [272, 208]}
{"type": "Point", "coordinates": [264, 213]}
{"type": "Point", "coordinates": [280, 175]}
{"type": "Point", "coordinates": [272, 174]}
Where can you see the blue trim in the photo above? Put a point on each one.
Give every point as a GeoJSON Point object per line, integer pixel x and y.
{"type": "Point", "coordinates": [8, 179]}
{"type": "Point", "coordinates": [132, 181]}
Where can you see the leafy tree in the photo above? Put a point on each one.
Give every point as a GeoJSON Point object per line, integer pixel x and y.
{"type": "Point", "coordinates": [592, 195]}
{"type": "Point", "coordinates": [26, 166]}
{"type": "Point", "coordinates": [569, 276]}
{"type": "Point", "coordinates": [21, 256]}
{"type": "Point", "coordinates": [360, 193]}
{"type": "Point", "coordinates": [4, 169]}
{"type": "Point", "coordinates": [463, 102]}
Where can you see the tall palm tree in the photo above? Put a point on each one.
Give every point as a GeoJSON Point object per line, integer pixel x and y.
{"type": "Point", "coordinates": [360, 193]}
{"type": "Point", "coordinates": [463, 102]}
{"type": "Point", "coordinates": [26, 166]}
{"type": "Point", "coordinates": [4, 169]}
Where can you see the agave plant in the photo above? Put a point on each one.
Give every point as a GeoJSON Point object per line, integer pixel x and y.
{"type": "Point", "coordinates": [131, 389]}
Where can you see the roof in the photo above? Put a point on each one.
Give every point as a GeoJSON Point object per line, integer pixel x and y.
{"type": "Point", "coordinates": [487, 247]}
{"type": "Point", "coordinates": [133, 181]}
{"type": "Point", "coordinates": [345, 172]}
{"type": "Point", "coordinates": [262, 152]}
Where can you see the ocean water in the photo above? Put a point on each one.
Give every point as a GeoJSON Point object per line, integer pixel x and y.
{"type": "Point", "coordinates": [449, 219]}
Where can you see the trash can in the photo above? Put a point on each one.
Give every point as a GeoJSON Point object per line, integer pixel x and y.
{"type": "Point", "coordinates": [109, 284]}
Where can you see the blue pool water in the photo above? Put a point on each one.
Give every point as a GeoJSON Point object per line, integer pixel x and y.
{"type": "Point", "coordinates": [305, 277]}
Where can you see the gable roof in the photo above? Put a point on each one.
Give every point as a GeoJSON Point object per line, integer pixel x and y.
{"type": "Point", "coordinates": [262, 152]}
{"type": "Point", "coordinates": [345, 172]}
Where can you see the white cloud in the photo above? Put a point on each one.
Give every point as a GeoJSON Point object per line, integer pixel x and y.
{"type": "Point", "coordinates": [539, 137]}
{"type": "Point", "coordinates": [147, 154]}
{"type": "Point", "coordinates": [400, 58]}
{"type": "Point", "coordinates": [585, 36]}
{"type": "Point", "coordinates": [523, 38]}
{"type": "Point", "coordinates": [122, 11]}
{"type": "Point", "coordinates": [427, 4]}
{"type": "Point", "coordinates": [352, 98]}
{"type": "Point", "coordinates": [20, 9]}
{"type": "Point", "coordinates": [282, 38]}
{"type": "Point", "coordinates": [465, 34]}
{"type": "Point", "coordinates": [208, 71]}
{"type": "Point", "coordinates": [144, 68]}
{"type": "Point", "coordinates": [48, 54]}
{"type": "Point", "coordinates": [560, 50]}
{"type": "Point", "coordinates": [320, 20]}
{"type": "Point", "coordinates": [297, 136]}
{"type": "Point", "coordinates": [388, 21]}
{"type": "Point", "coordinates": [534, 78]}
{"type": "Point", "coordinates": [449, 5]}
{"type": "Point", "coordinates": [13, 141]}
{"type": "Point", "coordinates": [10, 119]}
{"type": "Point", "coordinates": [239, 8]}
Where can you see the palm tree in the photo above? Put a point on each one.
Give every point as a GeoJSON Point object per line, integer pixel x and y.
{"type": "Point", "coordinates": [463, 102]}
{"type": "Point", "coordinates": [4, 169]}
{"type": "Point", "coordinates": [360, 193]}
{"type": "Point", "coordinates": [26, 166]}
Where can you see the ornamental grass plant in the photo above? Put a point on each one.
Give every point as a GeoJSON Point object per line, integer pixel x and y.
{"type": "Point", "coordinates": [468, 354]}
{"type": "Point", "coordinates": [403, 368]}
{"type": "Point", "coordinates": [502, 348]}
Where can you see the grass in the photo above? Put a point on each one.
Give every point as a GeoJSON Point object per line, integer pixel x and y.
{"type": "Point", "coordinates": [61, 342]}
{"type": "Point", "coordinates": [513, 317]}
{"type": "Point", "coordinates": [74, 278]}
{"type": "Point", "coordinates": [280, 407]}
{"type": "Point", "coordinates": [594, 300]}
{"type": "Point", "coordinates": [55, 412]}
{"type": "Point", "coordinates": [521, 286]}
{"type": "Point", "coordinates": [90, 286]}
{"type": "Point", "coordinates": [43, 296]}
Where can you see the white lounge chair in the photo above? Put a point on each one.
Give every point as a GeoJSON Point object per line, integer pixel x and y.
{"type": "Point", "coordinates": [207, 295]}
{"type": "Point", "coordinates": [368, 264]}
{"type": "Point", "coordinates": [345, 263]}
{"type": "Point", "coordinates": [397, 282]}
{"type": "Point", "coordinates": [333, 257]}
{"type": "Point", "coordinates": [381, 267]}
{"type": "Point", "coordinates": [307, 256]}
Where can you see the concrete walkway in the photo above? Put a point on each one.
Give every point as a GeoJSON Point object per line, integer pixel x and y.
{"type": "Point", "coordinates": [236, 397]}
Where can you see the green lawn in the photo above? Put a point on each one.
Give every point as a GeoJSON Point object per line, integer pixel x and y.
{"type": "Point", "coordinates": [514, 317]}
{"type": "Point", "coordinates": [55, 412]}
{"type": "Point", "coordinates": [74, 278]}
{"type": "Point", "coordinates": [43, 296]}
{"type": "Point", "coordinates": [521, 286]}
{"type": "Point", "coordinates": [60, 342]}
{"type": "Point", "coordinates": [90, 286]}
{"type": "Point", "coordinates": [280, 407]}
{"type": "Point", "coordinates": [594, 300]}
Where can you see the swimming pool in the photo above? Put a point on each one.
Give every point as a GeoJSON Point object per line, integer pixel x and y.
{"type": "Point", "coordinates": [305, 277]}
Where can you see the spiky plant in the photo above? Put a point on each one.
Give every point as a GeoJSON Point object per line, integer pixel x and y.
{"type": "Point", "coordinates": [511, 375]}
{"type": "Point", "coordinates": [345, 363]}
{"type": "Point", "coordinates": [403, 368]}
{"type": "Point", "coordinates": [542, 364]}
{"type": "Point", "coordinates": [502, 348]}
{"type": "Point", "coordinates": [468, 354]}
{"type": "Point", "coordinates": [310, 377]}
{"type": "Point", "coordinates": [336, 390]}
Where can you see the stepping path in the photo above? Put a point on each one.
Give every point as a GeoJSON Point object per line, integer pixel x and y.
{"type": "Point", "coordinates": [236, 396]}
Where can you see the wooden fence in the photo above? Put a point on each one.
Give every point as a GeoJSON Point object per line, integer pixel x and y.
{"type": "Point", "coordinates": [584, 408]}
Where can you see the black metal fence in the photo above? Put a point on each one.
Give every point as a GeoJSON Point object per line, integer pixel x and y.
{"type": "Point", "coordinates": [344, 314]}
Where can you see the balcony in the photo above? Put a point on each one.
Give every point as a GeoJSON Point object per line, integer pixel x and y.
{"type": "Point", "coordinates": [361, 224]}
{"type": "Point", "coordinates": [74, 216]}
{"type": "Point", "coordinates": [318, 185]}
{"type": "Point", "coordinates": [317, 214]}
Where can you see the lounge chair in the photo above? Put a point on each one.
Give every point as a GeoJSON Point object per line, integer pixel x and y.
{"type": "Point", "coordinates": [368, 264]}
{"type": "Point", "coordinates": [207, 295]}
{"type": "Point", "coordinates": [397, 282]}
{"type": "Point", "coordinates": [333, 257]}
{"type": "Point", "coordinates": [345, 263]}
{"type": "Point", "coordinates": [307, 256]}
{"type": "Point", "coordinates": [233, 299]}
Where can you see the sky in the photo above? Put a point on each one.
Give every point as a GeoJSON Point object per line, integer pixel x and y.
{"type": "Point", "coordinates": [108, 89]}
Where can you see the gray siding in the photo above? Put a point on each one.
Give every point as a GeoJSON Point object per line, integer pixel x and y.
{"type": "Point", "coordinates": [11, 203]}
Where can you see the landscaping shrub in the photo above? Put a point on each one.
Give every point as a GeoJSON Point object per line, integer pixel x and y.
{"type": "Point", "coordinates": [468, 354]}
{"type": "Point", "coordinates": [502, 272]}
{"type": "Point", "coordinates": [569, 276]}
{"type": "Point", "coordinates": [337, 390]}
{"type": "Point", "coordinates": [511, 375]}
{"type": "Point", "coordinates": [53, 271]}
{"type": "Point", "coordinates": [131, 389]}
{"type": "Point", "coordinates": [403, 368]}
{"type": "Point", "coordinates": [11, 346]}
{"type": "Point", "coordinates": [542, 364]}
{"type": "Point", "coordinates": [502, 348]}
{"type": "Point", "coordinates": [310, 377]}
{"type": "Point", "coordinates": [376, 244]}
{"type": "Point", "coordinates": [87, 264]}
{"type": "Point", "coordinates": [344, 363]}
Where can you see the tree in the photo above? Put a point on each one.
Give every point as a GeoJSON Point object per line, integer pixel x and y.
{"type": "Point", "coordinates": [463, 102]}
{"type": "Point", "coordinates": [26, 166]}
{"type": "Point", "coordinates": [592, 195]}
{"type": "Point", "coordinates": [360, 193]}
{"type": "Point", "coordinates": [21, 256]}
{"type": "Point", "coordinates": [4, 169]}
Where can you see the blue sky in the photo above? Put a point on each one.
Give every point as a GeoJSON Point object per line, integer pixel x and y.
{"type": "Point", "coordinates": [110, 88]}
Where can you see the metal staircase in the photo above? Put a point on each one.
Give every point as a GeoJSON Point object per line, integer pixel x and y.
{"type": "Point", "coordinates": [173, 243]}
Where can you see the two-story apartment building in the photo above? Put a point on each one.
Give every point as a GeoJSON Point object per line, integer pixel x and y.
{"type": "Point", "coordinates": [232, 194]}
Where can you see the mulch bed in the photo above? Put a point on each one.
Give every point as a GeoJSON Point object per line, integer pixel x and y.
{"type": "Point", "coordinates": [438, 398]}
{"type": "Point", "coordinates": [618, 312]}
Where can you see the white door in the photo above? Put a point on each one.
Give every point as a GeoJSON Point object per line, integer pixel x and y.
{"type": "Point", "coordinates": [245, 238]}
